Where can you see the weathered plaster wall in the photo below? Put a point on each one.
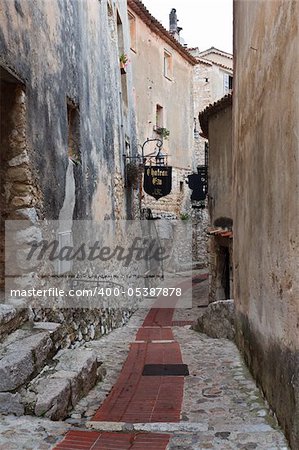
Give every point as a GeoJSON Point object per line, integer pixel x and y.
{"type": "Point", "coordinates": [220, 202]}
{"type": "Point", "coordinates": [220, 164]}
{"type": "Point", "coordinates": [64, 53]}
{"type": "Point", "coordinates": [69, 50]}
{"type": "Point", "coordinates": [208, 87]}
{"type": "Point", "coordinates": [266, 192]}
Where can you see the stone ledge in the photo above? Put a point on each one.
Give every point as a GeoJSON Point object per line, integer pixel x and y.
{"type": "Point", "coordinates": [23, 353]}
{"type": "Point", "coordinates": [11, 319]}
{"type": "Point", "coordinates": [61, 384]}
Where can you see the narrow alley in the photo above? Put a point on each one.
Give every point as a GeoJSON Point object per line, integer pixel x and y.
{"type": "Point", "coordinates": [216, 406]}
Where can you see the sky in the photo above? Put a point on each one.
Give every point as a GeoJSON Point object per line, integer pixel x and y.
{"type": "Point", "coordinates": [205, 23]}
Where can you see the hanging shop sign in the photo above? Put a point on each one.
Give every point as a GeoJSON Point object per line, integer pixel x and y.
{"type": "Point", "coordinates": [198, 183]}
{"type": "Point", "coordinates": [157, 181]}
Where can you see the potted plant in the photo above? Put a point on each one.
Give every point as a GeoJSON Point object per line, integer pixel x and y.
{"type": "Point", "coordinates": [123, 61]}
{"type": "Point", "coordinates": [163, 132]}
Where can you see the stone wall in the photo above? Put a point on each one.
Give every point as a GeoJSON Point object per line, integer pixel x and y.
{"type": "Point", "coordinates": [83, 325]}
{"type": "Point", "coordinates": [216, 122]}
{"type": "Point", "coordinates": [200, 221]}
{"type": "Point", "coordinates": [208, 87]}
{"type": "Point", "coordinates": [266, 207]}
{"type": "Point", "coordinates": [57, 70]}
{"type": "Point", "coordinates": [165, 100]}
{"type": "Point", "coordinates": [67, 116]}
{"type": "Point", "coordinates": [19, 187]}
{"type": "Point", "coordinates": [220, 164]}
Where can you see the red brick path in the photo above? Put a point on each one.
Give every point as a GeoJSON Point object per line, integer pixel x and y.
{"type": "Point", "coordinates": [159, 317]}
{"type": "Point", "coordinates": [136, 398]}
{"type": "Point", "coordinates": [154, 334]}
{"type": "Point", "coordinates": [91, 440]}
{"type": "Point", "coordinates": [140, 399]}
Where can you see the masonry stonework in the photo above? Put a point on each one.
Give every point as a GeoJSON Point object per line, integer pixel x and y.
{"type": "Point", "coordinates": [208, 86]}
{"type": "Point", "coordinates": [65, 118]}
{"type": "Point", "coordinates": [162, 80]}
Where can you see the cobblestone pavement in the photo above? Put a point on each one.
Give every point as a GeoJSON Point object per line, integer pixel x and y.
{"type": "Point", "coordinates": [30, 433]}
{"type": "Point", "coordinates": [221, 395]}
{"type": "Point", "coordinates": [222, 408]}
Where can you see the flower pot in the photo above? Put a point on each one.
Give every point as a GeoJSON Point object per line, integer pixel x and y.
{"type": "Point", "coordinates": [123, 70]}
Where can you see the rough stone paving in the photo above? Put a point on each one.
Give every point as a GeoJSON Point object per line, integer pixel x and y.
{"type": "Point", "coordinates": [221, 407]}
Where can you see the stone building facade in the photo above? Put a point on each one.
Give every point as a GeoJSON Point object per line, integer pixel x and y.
{"type": "Point", "coordinates": [163, 89]}
{"type": "Point", "coordinates": [212, 79]}
{"type": "Point", "coordinates": [265, 198]}
{"type": "Point", "coordinates": [67, 117]}
{"type": "Point", "coordinates": [216, 125]}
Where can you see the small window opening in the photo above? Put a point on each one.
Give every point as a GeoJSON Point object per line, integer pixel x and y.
{"type": "Point", "coordinates": [132, 24]}
{"type": "Point", "coordinates": [159, 116]}
{"type": "Point", "coordinates": [167, 64]}
{"type": "Point", "coordinates": [73, 119]}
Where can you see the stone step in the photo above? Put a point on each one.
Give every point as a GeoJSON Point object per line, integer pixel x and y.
{"type": "Point", "coordinates": [61, 384]}
{"type": "Point", "coordinates": [11, 319]}
{"type": "Point", "coordinates": [25, 351]}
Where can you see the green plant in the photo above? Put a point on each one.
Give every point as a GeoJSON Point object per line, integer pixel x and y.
{"type": "Point", "coordinates": [184, 216]}
{"type": "Point", "coordinates": [163, 132]}
{"type": "Point", "coordinates": [123, 58]}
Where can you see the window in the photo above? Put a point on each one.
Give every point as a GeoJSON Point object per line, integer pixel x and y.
{"type": "Point", "coordinates": [121, 50]}
{"type": "Point", "coordinates": [227, 83]}
{"type": "Point", "coordinates": [167, 65]}
{"type": "Point", "coordinates": [181, 186]}
{"type": "Point", "coordinates": [73, 120]}
{"type": "Point", "coordinates": [132, 24]}
{"type": "Point", "coordinates": [159, 116]}
{"type": "Point", "coordinates": [120, 35]}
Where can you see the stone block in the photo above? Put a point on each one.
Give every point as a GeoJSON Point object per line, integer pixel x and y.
{"type": "Point", "coordinates": [218, 320]}
{"type": "Point", "coordinates": [11, 404]}
{"type": "Point", "coordinates": [22, 202]}
{"type": "Point", "coordinates": [53, 397]}
{"type": "Point", "coordinates": [81, 361]}
{"type": "Point", "coordinates": [15, 369]}
{"type": "Point", "coordinates": [22, 355]}
{"type": "Point", "coordinates": [26, 213]}
{"type": "Point", "coordinates": [59, 387]}
{"type": "Point", "coordinates": [76, 383]}
{"type": "Point", "coordinates": [10, 319]}
{"type": "Point", "coordinates": [20, 174]}
{"type": "Point", "coordinates": [20, 159]}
